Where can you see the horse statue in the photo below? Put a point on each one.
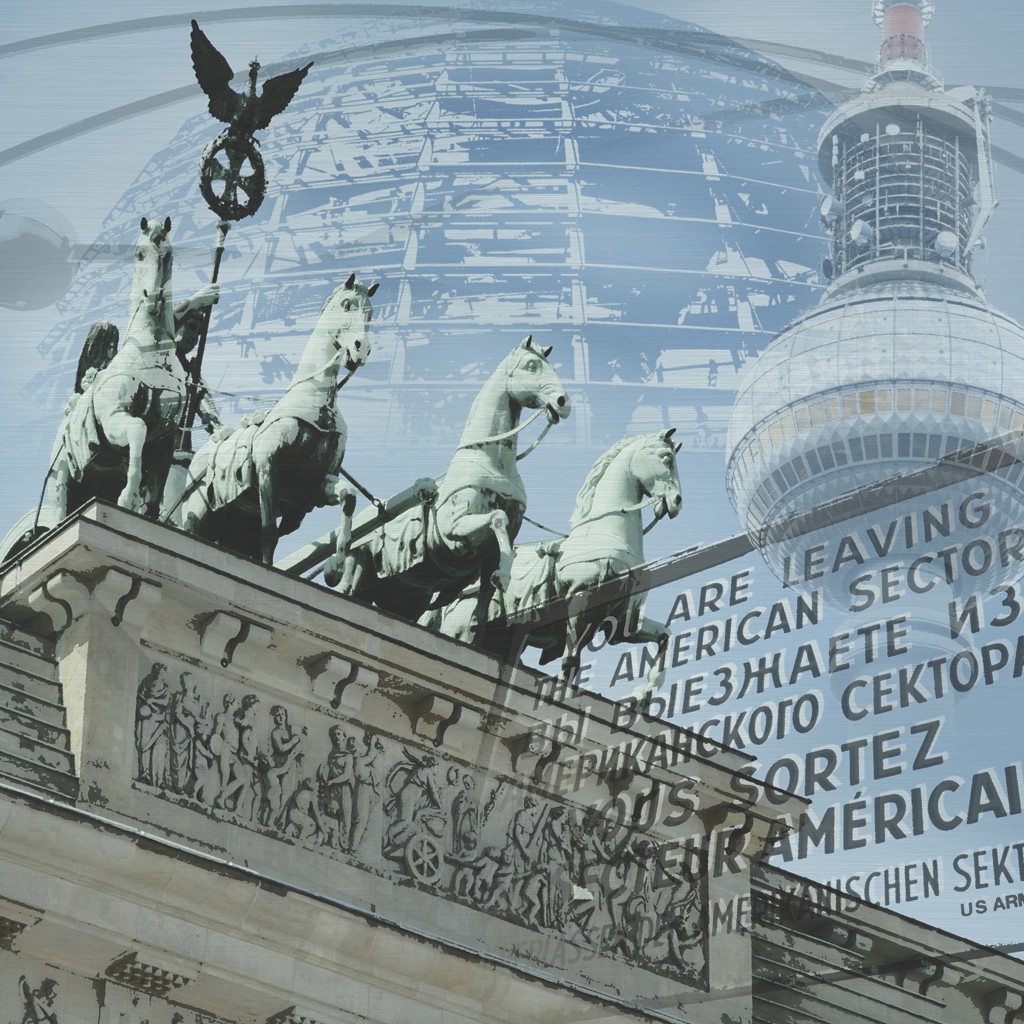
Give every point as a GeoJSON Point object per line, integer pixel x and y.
{"type": "Point", "coordinates": [120, 427]}
{"type": "Point", "coordinates": [256, 485]}
{"type": "Point", "coordinates": [606, 539]}
{"type": "Point", "coordinates": [428, 554]}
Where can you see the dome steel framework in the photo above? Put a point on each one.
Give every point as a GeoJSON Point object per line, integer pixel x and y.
{"type": "Point", "coordinates": [647, 212]}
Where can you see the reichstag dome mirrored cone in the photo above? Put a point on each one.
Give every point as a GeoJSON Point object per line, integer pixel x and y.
{"type": "Point", "coordinates": [642, 198]}
{"type": "Point", "coordinates": [903, 389]}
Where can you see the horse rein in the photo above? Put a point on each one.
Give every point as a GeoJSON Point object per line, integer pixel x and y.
{"type": "Point", "coordinates": [618, 511]}
{"type": "Point", "coordinates": [512, 433]}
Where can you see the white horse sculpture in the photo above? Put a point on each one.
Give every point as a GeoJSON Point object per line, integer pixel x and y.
{"type": "Point", "coordinates": [466, 534]}
{"type": "Point", "coordinates": [284, 463]}
{"type": "Point", "coordinates": [120, 427]}
{"type": "Point", "coordinates": [606, 539]}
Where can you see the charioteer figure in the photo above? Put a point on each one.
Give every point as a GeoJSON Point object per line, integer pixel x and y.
{"type": "Point", "coordinates": [120, 426]}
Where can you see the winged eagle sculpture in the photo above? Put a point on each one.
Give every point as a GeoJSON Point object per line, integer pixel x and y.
{"type": "Point", "coordinates": [245, 112]}
{"type": "Point", "coordinates": [241, 184]}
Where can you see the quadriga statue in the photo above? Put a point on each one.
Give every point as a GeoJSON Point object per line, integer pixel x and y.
{"type": "Point", "coordinates": [427, 555]}
{"type": "Point", "coordinates": [120, 428]}
{"type": "Point", "coordinates": [256, 485]}
{"type": "Point", "coordinates": [606, 540]}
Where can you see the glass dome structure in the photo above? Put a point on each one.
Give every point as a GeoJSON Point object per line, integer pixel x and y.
{"type": "Point", "coordinates": [638, 197]}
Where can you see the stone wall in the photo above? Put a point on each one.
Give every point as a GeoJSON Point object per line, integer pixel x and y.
{"type": "Point", "coordinates": [333, 751]}
{"type": "Point", "coordinates": [229, 795]}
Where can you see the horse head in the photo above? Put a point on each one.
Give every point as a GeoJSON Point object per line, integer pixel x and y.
{"type": "Point", "coordinates": [346, 316]}
{"type": "Point", "coordinates": [151, 281]}
{"type": "Point", "coordinates": [654, 466]}
{"type": "Point", "coordinates": [533, 382]}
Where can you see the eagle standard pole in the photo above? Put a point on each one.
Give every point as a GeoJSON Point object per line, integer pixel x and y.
{"type": "Point", "coordinates": [178, 473]}
{"type": "Point", "coordinates": [245, 113]}
{"type": "Point", "coordinates": [195, 364]}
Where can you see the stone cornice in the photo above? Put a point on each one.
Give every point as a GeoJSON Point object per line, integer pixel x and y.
{"type": "Point", "coordinates": [105, 551]}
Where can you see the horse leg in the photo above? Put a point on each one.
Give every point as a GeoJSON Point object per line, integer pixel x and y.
{"type": "Point", "coordinates": [571, 653]}
{"type": "Point", "coordinates": [176, 483]}
{"type": "Point", "coordinates": [192, 506]}
{"type": "Point", "coordinates": [652, 632]}
{"type": "Point", "coordinates": [191, 517]}
{"type": "Point", "coordinates": [579, 631]}
{"type": "Point", "coordinates": [272, 441]}
{"type": "Point", "coordinates": [348, 507]}
{"type": "Point", "coordinates": [503, 574]}
{"type": "Point", "coordinates": [335, 568]}
{"type": "Point", "coordinates": [133, 431]}
{"type": "Point", "coordinates": [355, 566]}
{"type": "Point", "coordinates": [61, 475]}
{"type": "Point", "coordinates": [482, 610]}
{"type": "Point", "coordinates": [474, 527]}
{"type": "Point", "coordinates": [268, 523]}
{"type": "Point", "coordinates": [152, 487]}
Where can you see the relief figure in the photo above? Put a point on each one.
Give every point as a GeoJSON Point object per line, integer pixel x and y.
{"type": "Point", "coordinates": [151, 726]}
{"type": "Point", "coordinates": [277, 768]}
{"type": "Point", "coordinates": [335, 785]}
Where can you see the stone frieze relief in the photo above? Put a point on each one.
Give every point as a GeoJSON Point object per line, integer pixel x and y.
{"type": "Point", "coordinates": [418, 818]}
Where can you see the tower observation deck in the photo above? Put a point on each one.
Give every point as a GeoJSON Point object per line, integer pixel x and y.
{"type": "Point", "coordinates": [903, 362]}
{"type": "Point", "coordinates": [907, 163]}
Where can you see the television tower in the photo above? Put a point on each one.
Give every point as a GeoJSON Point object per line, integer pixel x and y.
{"type": "Point", "coordinates": [902, 362]}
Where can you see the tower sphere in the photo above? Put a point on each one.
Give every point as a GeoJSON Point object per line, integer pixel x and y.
{"type": "Point", "coordinates": [868, 385]}
{"type": "Point", "coordinates": [35, 259]}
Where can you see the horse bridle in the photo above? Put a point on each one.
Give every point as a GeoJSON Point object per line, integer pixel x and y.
{"type": "Point", "coordinates": [630, 508]}
{"type": "Point", "coordinates": [323, 369]}
{"type": "Point", "coordinates": [515, 430]}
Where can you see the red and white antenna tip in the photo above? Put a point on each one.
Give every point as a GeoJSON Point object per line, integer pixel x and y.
{"type": "Point", "coordinates": [903, 23]}
{"type": "Point", "coordinates": [880, 8]}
